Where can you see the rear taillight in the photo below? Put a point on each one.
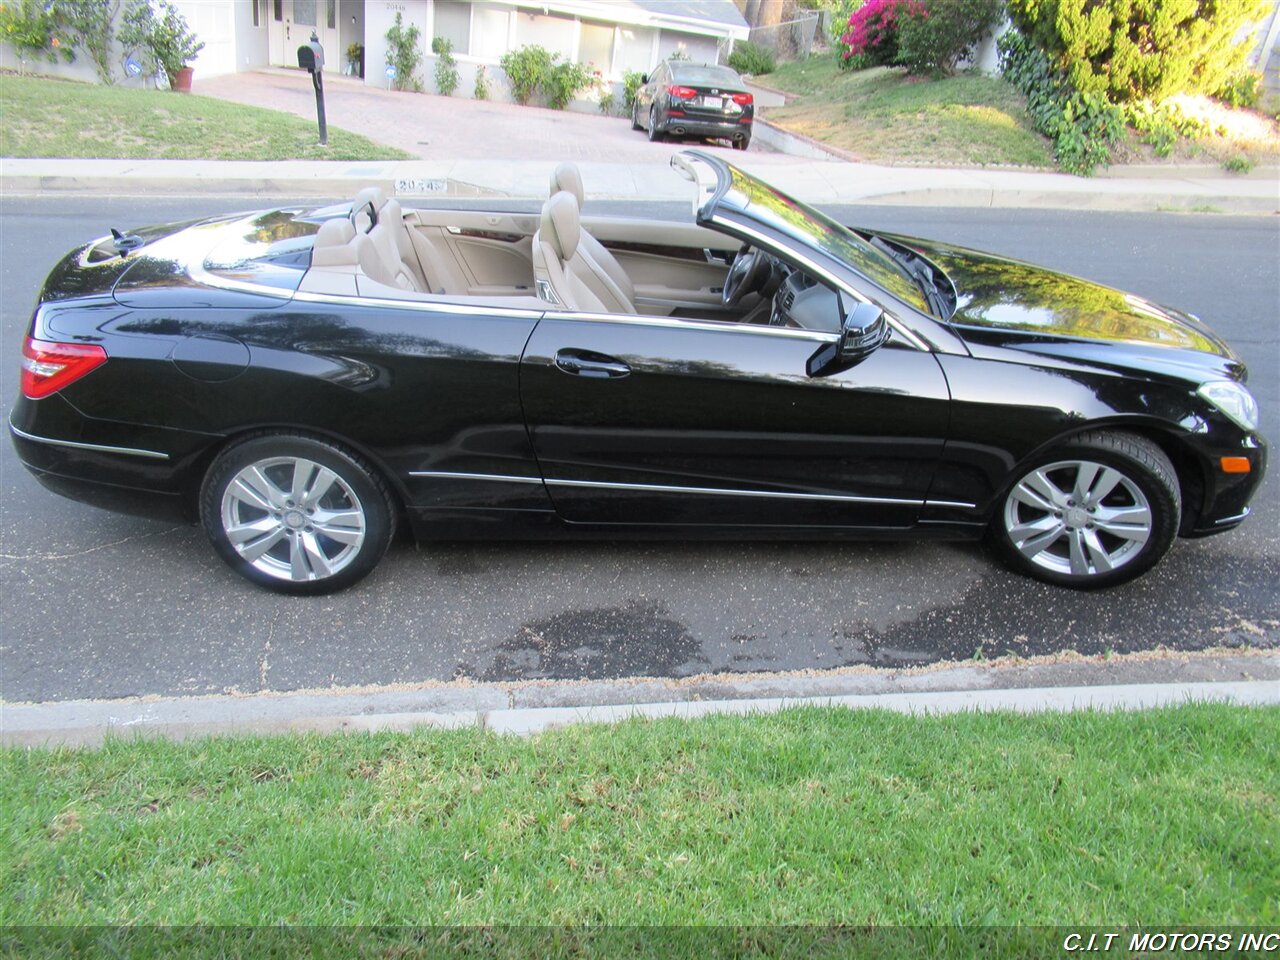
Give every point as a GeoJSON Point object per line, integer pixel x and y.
{"type": "Point", "coordinates": [682, 93]}
{"type": "Point", "coordinates": [743, 99]}
{"type": "Point", "coordinates": [48, 367]}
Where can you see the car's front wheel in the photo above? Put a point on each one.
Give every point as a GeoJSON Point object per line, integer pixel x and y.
{"type": "Point", "coordinates": [635, 115]}
{"type": "Point", "coordinates": [296, 514]}
{"type": "Point", "coordinates": [1096, 511]}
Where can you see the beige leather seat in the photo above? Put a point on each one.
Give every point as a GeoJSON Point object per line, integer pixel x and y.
{"type": "Point", "coordinates": [567, 177]}
{"type": "Point", "coordinates": [562, 271]}
{"type": "Point", "coordinates": [407, 260]}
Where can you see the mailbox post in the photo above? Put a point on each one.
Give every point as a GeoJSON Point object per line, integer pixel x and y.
{"type": "Point", "coordinates": [311, 59]}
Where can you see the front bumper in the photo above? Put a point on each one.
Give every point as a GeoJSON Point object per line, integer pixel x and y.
{"type": "Point", "coordinates": [1226, 496]}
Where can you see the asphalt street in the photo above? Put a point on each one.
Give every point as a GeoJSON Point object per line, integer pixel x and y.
{"type": "Point", "coordinates": [98, 605]}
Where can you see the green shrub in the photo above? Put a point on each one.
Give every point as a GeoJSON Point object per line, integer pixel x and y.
{"type": "Point", "coordinates": [1242, 89]}
{"type": "Point", "coordinates": [405, 54]}
{"type": "Point", "coordinates": [527, 69]}
{"type": "Point", "coordinates": [534, 69]}
{"type": "Point", "coordinates": [934, 39]}
{"type": "Point", "coordinates": [632, 81]}
{"type": "Point", "coordinates": [1238, 163]}
{"type": "Point", "coordinates": [566, 79]}
{"type": "Point", "coordinates": [481, 91]}
{"type": "Point", "coordinates": [608, 101]}
{"type": "Point", "coordinates": [751, 58]}
{"type": "Point", "coordinates": [91, 25]}
{"type": "Point", "coordinates": [1082, 126]}
{"type": "Point", "coordinates": [33, 29]}
{"type": "Point", "coordinates": [446, 66]}
{"type": "Point", "coordinates": [1127, 50]}
{"type": "Point", "coordinates": [160, 35]}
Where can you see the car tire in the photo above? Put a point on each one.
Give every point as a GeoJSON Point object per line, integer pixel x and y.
{"type": "Point", "coordinates": [741, 143]}
{"type": "Point", "coordinates": [1096, 511]}
{"type": "Point", "coordinates": [655, 135]}
{"type": "Point", "coordinates": [635, 116]}
{"type": "Point", "coordinates": [296, 514]}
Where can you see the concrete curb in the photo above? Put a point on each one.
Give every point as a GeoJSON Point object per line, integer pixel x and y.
{"type": "Point", "coordinates": [529, 708]}
{"type": "Point", "coordinates": [815, 180]}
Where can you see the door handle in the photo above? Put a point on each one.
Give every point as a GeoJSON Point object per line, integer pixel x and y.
{"type": "Point", "coordinates": [583, 363]}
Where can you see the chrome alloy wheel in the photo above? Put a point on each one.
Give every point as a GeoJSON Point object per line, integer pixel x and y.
{"type": "Point", "coordinates": [293, 519]}
{"type": "Point", "coordinates": [1077, 517]}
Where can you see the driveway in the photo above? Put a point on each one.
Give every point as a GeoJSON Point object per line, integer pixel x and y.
{"type": "Point", "coordinates": [453, 128]}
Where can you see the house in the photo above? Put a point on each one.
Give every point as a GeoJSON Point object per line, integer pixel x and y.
{"type": "Point", "coordinates": [612, 35]}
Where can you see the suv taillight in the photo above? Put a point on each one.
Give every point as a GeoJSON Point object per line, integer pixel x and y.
{"type": "Point", "coordinates": [47, 367]}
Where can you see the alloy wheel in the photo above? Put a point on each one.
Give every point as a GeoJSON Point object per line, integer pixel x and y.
{"type": "Point", "coordinates": [293, 519]}
{"type": "Point", "coordinates": [1078, 517]}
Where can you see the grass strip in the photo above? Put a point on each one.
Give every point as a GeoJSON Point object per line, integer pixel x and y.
{"type": "Point", "coordinates": [44, 117]}
{"type": "Point", "coordinates": [809, 816]}
{"type": "Point", "coordinates": [883, 115]}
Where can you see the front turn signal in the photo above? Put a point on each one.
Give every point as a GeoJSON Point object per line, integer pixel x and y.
{"type": "Point", "coordinates": [1235, 464]}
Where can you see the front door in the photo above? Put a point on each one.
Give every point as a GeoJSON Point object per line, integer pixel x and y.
{"type": "Point", "coordinates": [292, 22]}
{"type": "Point", "coordinates": [660, 421]}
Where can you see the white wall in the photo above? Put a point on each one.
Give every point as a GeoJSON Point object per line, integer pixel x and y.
{"type": "Point", "coordinates": [379, 17]}
{"type": "Point", "coordinates": [251, 41]}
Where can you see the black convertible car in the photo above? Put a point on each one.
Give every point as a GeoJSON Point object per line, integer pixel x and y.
{"type": "Point", "coordinates": [301, 382]}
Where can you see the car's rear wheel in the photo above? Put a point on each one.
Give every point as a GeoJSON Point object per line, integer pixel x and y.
{"type": "Point", "coordinates": [1096, 511]}
{"type": "Point", "coordinates": [296, 514]}
{"type": "Point", "coordinates": [655, 135]}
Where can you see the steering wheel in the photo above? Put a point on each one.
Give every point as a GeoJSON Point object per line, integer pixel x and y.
{"type": "Point", "coordinates": [749, 271]}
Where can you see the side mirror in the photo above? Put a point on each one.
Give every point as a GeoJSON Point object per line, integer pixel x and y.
{"type": "Point", "coordinates": [863, 331]}
{"type": "Point", "coordinates": [644, 78]}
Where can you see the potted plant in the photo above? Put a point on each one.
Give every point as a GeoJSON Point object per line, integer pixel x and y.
{"type": "Point", "coordinates": [162, 36]}
{"type": "Point", "coordinates": [355, 59]}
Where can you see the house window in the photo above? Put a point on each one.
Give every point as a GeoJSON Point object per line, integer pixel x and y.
{"type": "Point", "coordinates": [635, 49]}
{"type": "Point", "coordinates": [453, 23]}
{"type": "Point", "coordinates": [489, 28]}
{"type": "Point", "coordinates": [331, 14]}
{"type": "Point", "coordinates": [304, 12]}
{"type": "Point", "coordinates": [554, 33]}
{"type": "Point", "coordinates": [595, 46]}
{"type": "Point", "coordinates": [255, 12]}
{"type": "Point", "coordinates": [277, 10]}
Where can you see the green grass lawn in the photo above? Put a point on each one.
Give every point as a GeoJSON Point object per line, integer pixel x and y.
{"type": "Point", "coordinates": [817, 816]}
{"type": "Point", "coordinates": [41, 117]}
{"type": "Point", "coordinates": [882, 115]}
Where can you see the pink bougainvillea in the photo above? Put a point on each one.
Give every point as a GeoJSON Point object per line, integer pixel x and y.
{"type": "Point", "coordinates": [873, 29]}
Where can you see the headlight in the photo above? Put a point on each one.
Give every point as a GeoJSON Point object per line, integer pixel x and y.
{"type": "Point", "coordinates": [1233, 400]}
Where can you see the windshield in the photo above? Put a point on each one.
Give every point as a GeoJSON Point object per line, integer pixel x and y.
{"type": "Point", "coordinates": [816, 230]}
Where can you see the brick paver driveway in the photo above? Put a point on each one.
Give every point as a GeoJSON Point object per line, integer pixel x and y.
{"type": "Point", "coordinates": [452, 128]}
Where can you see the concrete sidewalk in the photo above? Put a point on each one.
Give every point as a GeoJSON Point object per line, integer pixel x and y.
{"type": "Point", "coordinates": [812, 181]}
{"type": "Point", "coordinates": [1062, 683]}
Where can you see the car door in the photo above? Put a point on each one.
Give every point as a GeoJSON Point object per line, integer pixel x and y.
{"type": "Point", "coordinates": [642, 420]}
{"type": "Point", "coordinates": [649, 92]}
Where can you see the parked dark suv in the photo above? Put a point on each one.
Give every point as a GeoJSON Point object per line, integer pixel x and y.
{"type": "Point", "coordinates": [681, 99]}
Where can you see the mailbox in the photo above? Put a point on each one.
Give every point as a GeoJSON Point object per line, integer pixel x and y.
{"type": "Point", "coordinates": [311, 55]}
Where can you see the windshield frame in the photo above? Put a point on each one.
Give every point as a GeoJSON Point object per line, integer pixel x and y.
{"type": "Point", "coordinates": [719, 206]}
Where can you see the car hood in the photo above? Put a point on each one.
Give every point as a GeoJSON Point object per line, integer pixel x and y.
{"type": "Point", "coordinates": [997, 296]}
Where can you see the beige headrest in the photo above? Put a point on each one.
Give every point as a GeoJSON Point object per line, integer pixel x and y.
{"type": "Point", "coordinates": [369, 196]}
{"type": "Point", "coordinates": [567, 178]}
{"type": "Point", "coordinates": [333, 233]}
{"type": "Point", "coordinates": [560, 226]}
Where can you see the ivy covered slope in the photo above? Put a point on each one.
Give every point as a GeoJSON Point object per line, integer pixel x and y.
{"type": "Point", "coordinates": [1084, 85]}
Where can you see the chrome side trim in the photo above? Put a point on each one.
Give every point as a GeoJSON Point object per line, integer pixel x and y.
{"type": "Point", "coordinates": [723, 326]}
{"type": "Point", "coordinates": [98, 447]}
{"type": "Point", "coordinates": [721, 492]}
{"type": "Point", "coordinates": [822, 272]}
{"type": "Point", "coordinates": [431, 306]}
{"type": "Point", "coordinates": [1235, 519]}
{"type": "Point", "coordinates": [951, 503]}
{"type": "Point", "coordinates": [451, 475]}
